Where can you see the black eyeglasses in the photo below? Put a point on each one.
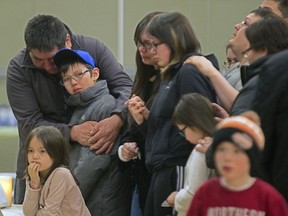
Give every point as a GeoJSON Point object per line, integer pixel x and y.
{"type": "Point", "coordinates": [154, 46]}
{"type": "Point", "coordinates": [246, 51]}
{"type": "Point", "coordinates": [77, 76]}
{"type": "Point", "coordinates": [147, 45]}
{"type": "Point", "coordinates": [182, 131]}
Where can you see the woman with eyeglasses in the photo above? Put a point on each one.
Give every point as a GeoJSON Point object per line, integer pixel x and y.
{"type": "Point", "coordinates": [132, 145]}
{"type": "Point", "coordinates": [172, 41]}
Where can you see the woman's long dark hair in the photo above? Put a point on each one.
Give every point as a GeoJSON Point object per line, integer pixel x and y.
{"type": "Point", "coordinates": [146, 75]}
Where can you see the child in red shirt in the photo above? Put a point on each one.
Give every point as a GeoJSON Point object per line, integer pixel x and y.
{"type": "Point", "coordinates": [236, 148]}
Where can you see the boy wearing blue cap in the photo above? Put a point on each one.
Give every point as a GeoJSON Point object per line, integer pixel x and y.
{"type": "Point", "coordinates": [98, 175]}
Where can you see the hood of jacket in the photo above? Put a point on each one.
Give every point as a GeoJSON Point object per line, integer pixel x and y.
{"type": "Point", "coordinates": [84, 98]}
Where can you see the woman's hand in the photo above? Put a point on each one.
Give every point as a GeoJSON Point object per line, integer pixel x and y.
{"type": "Point", "coordinates": [128, 151]}
{"type": "Point", "coordinates": [171, 198]}
{"type": "Point", "coordinates": [204, 144]}
{"type": "Point", "coordinates": [137, 108]}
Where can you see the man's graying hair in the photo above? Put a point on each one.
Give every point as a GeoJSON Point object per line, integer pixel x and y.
{"type": "Point", "coordinates": [45, 33]}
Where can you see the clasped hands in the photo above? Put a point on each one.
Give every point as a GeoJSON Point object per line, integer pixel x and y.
{"type": "Point", "coordinates": [137, 108]}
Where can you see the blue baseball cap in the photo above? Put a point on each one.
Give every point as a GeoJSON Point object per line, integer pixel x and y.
{"type": "Point", "coordinates": [65, 55]}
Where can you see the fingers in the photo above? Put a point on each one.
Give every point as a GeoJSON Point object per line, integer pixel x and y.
{"type": "Point", "coordinates": [171, 198]}
{"type": "Point", "coordinates": [200, 148]}
{"type": "Point", "coordinates": [203, 144]}
{"type": "Point", "coordinates": [33, 170]}
{"type": "Point", "coordinates": [194, 59]}
{"type": "Point", "coordinates": [208, 140]}
{"type": "Point", "coordinates": [101, 143]}
{"type": "Point", "coordinates": [217, 119]}
{"type": "Point", "coordinates": [220, 111]}
{"type": "Point", "coordinates": [135, 102]}
{"type": "Point", "coordinates": [103, 148]}
{"type": "Point", "coordinates": [96, 139]}
{"type": "Point", "coordinates": [189, 60]}
{"type": "Point", "coordinates": [129, 151]}
{"type": "Point", "coordinates": [109, 148]}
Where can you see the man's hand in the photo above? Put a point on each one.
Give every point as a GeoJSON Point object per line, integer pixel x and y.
{"type": "Point", "coordinates": [82, 133]}
{"type": "Point", "coordinates": [105, 133]}
{"type": "Point", "coordinates": [202, 64]}
{"type": "Point", "coordinates": [220, 112]}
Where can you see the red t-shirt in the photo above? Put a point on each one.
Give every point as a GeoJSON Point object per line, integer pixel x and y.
{"type": "Point", "coordinates": [212, 199]}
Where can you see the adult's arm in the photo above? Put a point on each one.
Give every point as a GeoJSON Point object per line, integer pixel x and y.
{"type": "Point", "coordinates": [37, 99]}
{"type": "Point", "coordinates": [119, 84]}
{"type": "Point", "coordinates": [197, 175]}
{"type": "Point", "coordinates": [225, 92]}
{"type": "Point", "coordinates": [25, 101]}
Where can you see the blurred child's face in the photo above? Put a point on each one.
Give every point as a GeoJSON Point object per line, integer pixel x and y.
{"type": "Point", "coordinates": [231, 161]}
{"type": "Point", "coordinates": [78, 84]}
{"type": "Point", "coordinates": [38, 154]}
{"type": "Point", "coordinates": [192, 134]}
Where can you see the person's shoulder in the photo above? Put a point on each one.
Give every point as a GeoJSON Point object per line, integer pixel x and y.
{"type": "Point", "coordinates": [210, 184]}
{"type": "Point", "coordinates": [61, 172]}
{"type": "Point", "coordinates": [85, 40]}
{"type": "Point", "coordinates": [267, 190]}
{"type": "Point", "coordinates": [19, 57]}
{"type": "Point", "coordinates": [265, 186]}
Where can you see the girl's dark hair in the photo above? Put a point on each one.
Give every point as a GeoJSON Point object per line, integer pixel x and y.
{"type": "Point", "coordinates": [175, 30]}
{"type": "Point", "coordinates": [269, 33]}
{"type": "Point", "coordinates": [195, 110]}
{"type": "Point", "coordinates": [54, 143]}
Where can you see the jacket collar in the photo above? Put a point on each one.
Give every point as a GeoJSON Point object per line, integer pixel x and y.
{"type": "Point", "coordinates": [249, 71]}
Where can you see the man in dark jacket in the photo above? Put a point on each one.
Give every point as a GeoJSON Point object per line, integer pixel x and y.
{"type": "Point", "coordinates": [37, 98]}
{"type": "Point", "coordinates": [271, 104]}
